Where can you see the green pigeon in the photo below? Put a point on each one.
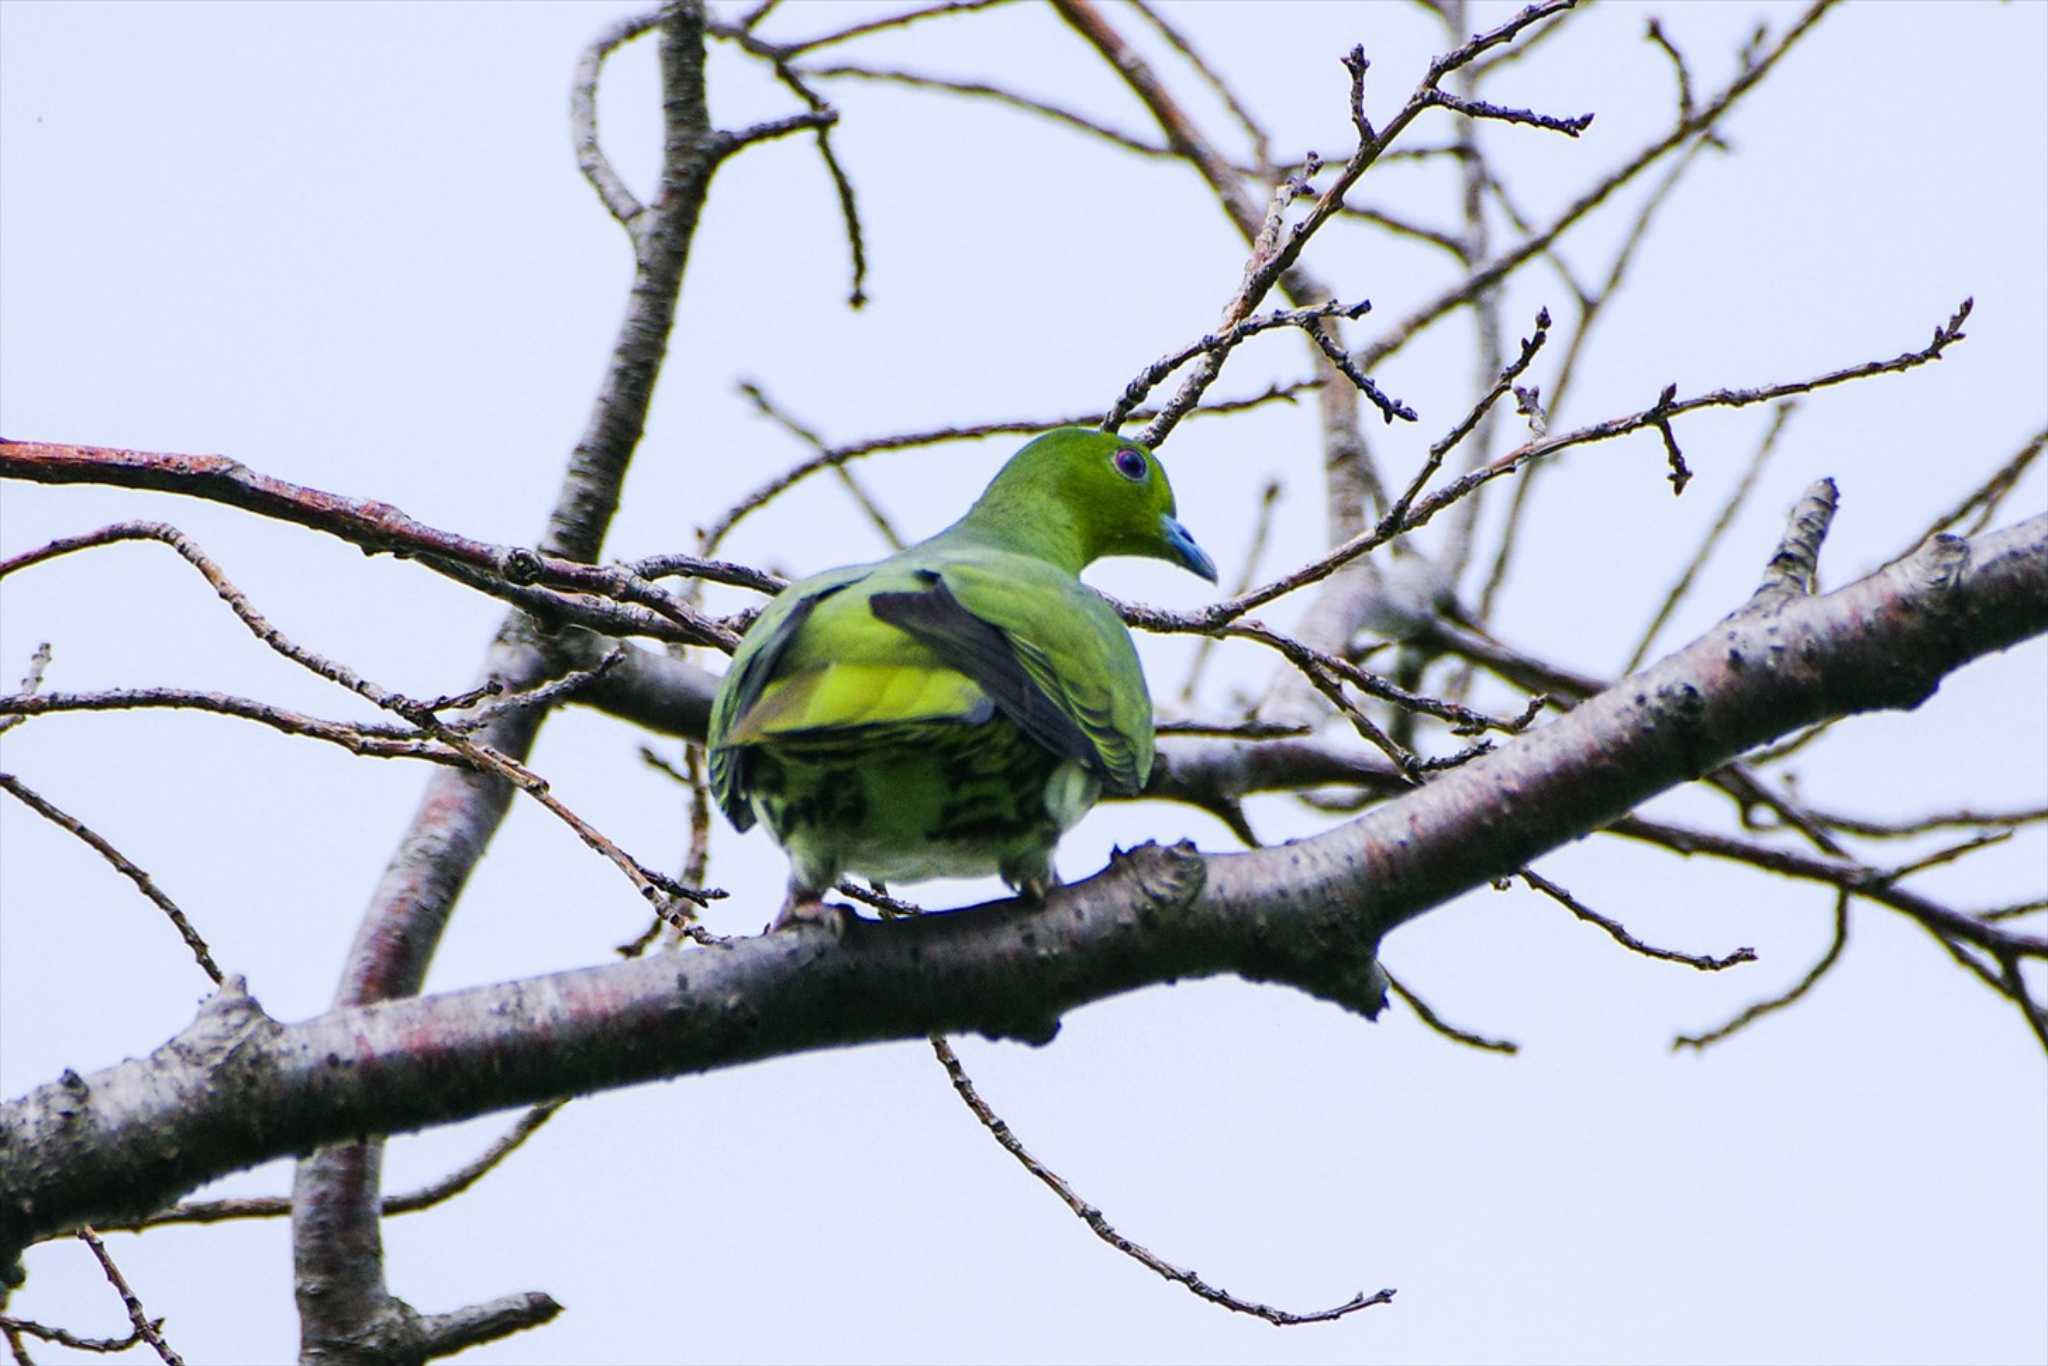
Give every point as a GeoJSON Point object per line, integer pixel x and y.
{"type": "Point", "coordinates": [952, 710]}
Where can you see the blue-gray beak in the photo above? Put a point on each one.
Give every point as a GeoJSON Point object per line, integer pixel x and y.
{"type": "Point", "coordinates": [1186, 553]}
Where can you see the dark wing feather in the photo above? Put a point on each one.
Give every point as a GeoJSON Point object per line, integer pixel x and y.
{"type": "Point", "coordinates": [936, 619]}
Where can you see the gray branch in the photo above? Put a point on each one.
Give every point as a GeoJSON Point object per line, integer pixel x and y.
{"type": "Point", "coordinates": [238, 1087]}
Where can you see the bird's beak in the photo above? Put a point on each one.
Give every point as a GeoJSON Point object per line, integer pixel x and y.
{"type": "Point", "coordinates": [1185, 552]}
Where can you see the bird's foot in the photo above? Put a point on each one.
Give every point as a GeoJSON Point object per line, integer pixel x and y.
{"type": "Point", "coordinates": [1036, 889]}
{"type": "Point", "coordinates": [803, 907]}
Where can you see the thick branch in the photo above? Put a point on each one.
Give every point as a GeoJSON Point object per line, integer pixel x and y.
{"type": "Point", "coordinates": [238, 1087]}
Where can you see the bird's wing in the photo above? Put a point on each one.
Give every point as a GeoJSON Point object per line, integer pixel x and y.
{"type": "Point", "coordinates": [820, 662]}
{"type": "Point", "coordinates": [753, 664]}
{"type": "Point", "coordinates": [1050, 652]}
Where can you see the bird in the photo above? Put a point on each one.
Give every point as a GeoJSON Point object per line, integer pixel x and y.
{"type": "Point", "coordinates": [952, 710]}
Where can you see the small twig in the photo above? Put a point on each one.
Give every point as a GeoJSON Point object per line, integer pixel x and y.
{"type": "Point", "coordinates": [1390, 408]}
{"type": "Point", "coordinates": [1219, 613]}
{"type": "Point", "coordinates": [1262, 527]}
{"type": "Point", "coordinates": [1218, 345]}
{"type": "Point", "coordinates": [1674, 458]}
{"type": "Point", "coordinates": [1655, 33]}
{"type": "Point", "coordinates": [1591, 306]}
{"type": "Point", "coordinates": [1450, 440]}
{"type": "Point", "coordinates": [1442, 1026]}
{"type": "Point", "coordinates": [1333, 691]}
{"type": "Point", "coordinates": [1482, 109]}
{"type": "Point", "coordinates": [1920, 825]}
{"type": "Point", "coordinates": [1492, 272]}
{"type": "Point", "coordinates": [38, 664]}
{"type": "Point", "coordinates": [426, 1197]}
{"type": "Point", "coordinates": [876, 517]}
{"type": "Point", "coordinates": [1622, 937]}
{"type": "Point", "coordinates": [1478, 71]}
{"type": "Point", "coordinates": [1870, 883]}
{"type": "Point", "coordinates": [145, 1326]}
{"type": "Point", "coordinates": [13, 1328]}
{"type": "Point", "coordinates": [1757, 1010]}
{"type": "Point", "coordinates": [1722, 521]}
{"type": "Point", "coordinates": [716, 571]}
{"type": "Point", "coordinates": [1947, 855]}
{"type": "Point", "coordinates": [1241, 730]}
{"type": "Point", "coordinates": [2015, 911]}
{"type": "Point", "coordinates": [35, 802]}
{"type": "Point", "coordinates": [1794, 568]}
{"type": "Point", "coordinates": [716, 533]}
{"type": "Point", "coordinates": [822, 117]}
{"type": "Point", "coordinates": [1103, 1229]}
{"type": "Point", "coordinates": [546, 695]}
{"type": "Point", "coordinates": [1462, 720]}
{"type": "Point", "coordinates": [697, 859]}
{"type": "Point", "coordinates": [891, 907]}
{"type": "Point", "coordinates": [866, 27]}
{"type": "Point", "coordinates": [1984, 500]}
{"type": "Point", "coordinates": [918, 80]}
{"type": "Point", "coordinates": [382, 742]}
{"type": "Point", "coordinates": [1260, 144]}
{"type": "Point", "coordinates": [421, 714]}
{"type": "Point", "coordinates": [618, 201]}
{"type": "Point", "coordinates": [657, 888]}
{"type": "Point", "coordinates": [509, 572]}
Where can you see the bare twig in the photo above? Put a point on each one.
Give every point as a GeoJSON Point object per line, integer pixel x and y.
{"type": "Point", "coordinates": [15, 1328]}
{"type": "Point", "coordinates": [1504, 264]}
{"type": "Point", "coordinates": [2014, 911]}
{"type": "Point", "coordinates": [1450, 440]}
{"type": "Point", "coordinates": [38, 663]}
{"type": "Point", "coordinates": [716, 533]}
{"type": "Point", "coordinates": [1920, 825]}
{"type": "Point", "coordinates": [1621, 936]}
{"type": "Point", "coordinates": [374, 526]}
{"type": "Point", "coordinates": [918, 80]}
{"type": "Point", "coordinates": [1654, 32]}
{"type": "Point", "coordinates": [145, 1326]}
{"type": "Point", "coordinates": [821, 117]}
{"type": "Point", "coordinates": [1794, 568]}
{"type": "Point", "coordinates": [619, 201]}
{"type": "Point", "coordinates": [425, 1197]}
{"type": "Point", "coordinates": [1450, 1031]}
{"type": "Point", "coordinates": [1255, 134]}
{"type": "Point", "coordinates": [1759, 1009]}
{"type": "Point", "coordinates": [1262, 527]}
{"type": "Point", "coordinates": [1219, 613]}
{"type": "Point", "coordinates": [1482, 109]}
{"type": "Point", "coordinates": [1219, 344]}
{"type": "Point", "coordinates": [145, 884]}
{"type": "Point", "coordinates": [1947, 855]}
{"type": "Point", "coordinates": [381, 742]}
{"type": "Point", "coordinates": [1591, 306]}
{"type": "Point", "coordinates": [1984, 500]}
{"type": "Point", "coordinates": [1722, 521]}
{"type": "Point", "coordinates": [1103, 1229]}
{"type": "Point", "coordinates": [866, 27]}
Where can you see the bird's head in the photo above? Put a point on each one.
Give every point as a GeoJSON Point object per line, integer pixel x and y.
{"type": "Point", "coordinates": [1077, 494]}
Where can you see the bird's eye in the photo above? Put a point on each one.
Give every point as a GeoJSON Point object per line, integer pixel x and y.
{"type": "Point", "coordinates": [1130, 464]}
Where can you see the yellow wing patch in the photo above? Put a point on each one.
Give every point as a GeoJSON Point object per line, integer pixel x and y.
{"type": "Point", "coordinates": [848, 694]}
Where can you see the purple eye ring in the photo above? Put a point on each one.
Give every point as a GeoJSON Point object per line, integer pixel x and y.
{"type": "Point", "coordinates": [1130, 464]}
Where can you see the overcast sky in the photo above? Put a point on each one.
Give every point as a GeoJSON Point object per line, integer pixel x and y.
{"type": "Point", "coordinates": [347, 245]}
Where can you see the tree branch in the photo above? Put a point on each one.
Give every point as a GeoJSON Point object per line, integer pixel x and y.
{"type": "Point", "coordinates": [237, 1087]}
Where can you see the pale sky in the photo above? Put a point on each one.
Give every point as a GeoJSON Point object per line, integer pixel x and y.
{"type": "Point", "coordinates": [348, 245]}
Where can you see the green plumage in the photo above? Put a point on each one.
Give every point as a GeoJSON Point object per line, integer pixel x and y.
{"type": "Point", "coordinates": [950, 711]}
